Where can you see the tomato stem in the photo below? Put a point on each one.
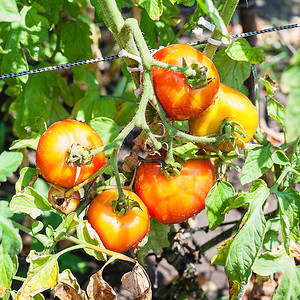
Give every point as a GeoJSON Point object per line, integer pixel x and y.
{"type": "Point", "coordinates": [226, 15]}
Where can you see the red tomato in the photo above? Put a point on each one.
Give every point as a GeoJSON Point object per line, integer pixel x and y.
{"type": "Point", "coordinates": [174, 200]}
{"type": "Point", "coordinates": [118, 233]}
{"type": "Point", "coordinates": [178, 99]}
{"type": "Point", "coordinates": [57, 199]}
{"type": "Point", "coordinates": [52, 153]}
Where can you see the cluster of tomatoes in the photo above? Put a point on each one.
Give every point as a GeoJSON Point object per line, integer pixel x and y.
{"type": "Point", "coordinates": [169, 199]}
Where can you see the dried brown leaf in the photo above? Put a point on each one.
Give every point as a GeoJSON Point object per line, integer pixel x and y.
{"type": "Point", "coordinates": [99, 289]}
{"type": "Point", "coordinates": [131, 162]}
{"type": "Point", "coordinates": [68, 288]}
{"type": "Point", "coordinates": [295, 251]}
{"type": "Point", "coordinates": [137, 283]}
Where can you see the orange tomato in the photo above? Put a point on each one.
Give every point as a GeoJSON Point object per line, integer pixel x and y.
{"type": "Point", "coordinates": [230, 104]}
{"type": "Point", "coordinates": [118, 233]}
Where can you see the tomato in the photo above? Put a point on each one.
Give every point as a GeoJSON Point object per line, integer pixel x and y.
{"type": "Point", "coordinates": [178, 99]}
{"type": "Point", "coordinates": [57, 199]}
{"type": "Point", "coordinates": [174, 200]}
{"type": "Point", "coordinates": [230, 104]}
{"type": "Point", "coordinates": [52, 153]}
{"type": "Point", "coordinates": [118, 233]}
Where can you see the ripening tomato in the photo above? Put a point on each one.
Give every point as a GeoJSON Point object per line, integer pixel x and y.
{"type": "Point", "coordinates": [52, 153]}
{"type": "Point", "coordinates": [230, 104]}
{"type": "Point", "coordinates": [118, 233]}
{"type": "Point", "coordinates": [178, 99]}
{"type": "Point", "coordinates": [174, 200]}
{"type": "Point", "coordinates": [57, 199]}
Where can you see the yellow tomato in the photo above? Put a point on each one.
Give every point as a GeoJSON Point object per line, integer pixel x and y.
{"type": "Point", "coordinates": [230, 104]}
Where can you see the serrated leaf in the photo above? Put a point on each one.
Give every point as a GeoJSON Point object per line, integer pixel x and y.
{"type": "Point", "coordinates": [271, 239]}
{"type": "Point", "coordinates": [75, 36]}
{"type": "Point", "coordinates": [9, 162]}
{"type": "Point", "coordinates": [9, 11]}
{"type": "Point", "coordinates": [292, 112]}
{"type": "Point", "coordinates": [42, 275]}
{"type": "Point", "coordinates": [247, 243]}
{"type": "Point", "coordinates": [157, 238]}
{"type": "Point", "coordinates": [30, 202]}
{"type": "Point", "coordinates": [258, 161]}
{"type": "Point", "coordinates": [218, 199]}
{"type": "Point", "coordinates": [289, 206]}
{"type": "Point", "coordinates": [11, 242]}
{"type": "Point", "coordinates": [8, 268]}
{"type": "Point", "coordinates": [68, 224]}
{"type": "Point", "coordinates": [241, 50]}
{"type": "Point", "coordinates": [232, 72]}
{"type": "Point", "coordinates": [87, 234]}
{"type": "Point", "coordinates": [276, 111]}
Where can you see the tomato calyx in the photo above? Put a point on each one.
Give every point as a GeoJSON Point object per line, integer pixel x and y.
{"type": "Point", "coordinates": [79, 155]}
{"type": "Point", "coordinates": [170, 170]}
{"type": "Point", "coordinates": [122, 207]}
{"type": "Point", "coordinates": [196, 79]}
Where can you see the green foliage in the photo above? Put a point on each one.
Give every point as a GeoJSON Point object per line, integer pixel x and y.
{"type": "Point", "coordinates": [9, 162]}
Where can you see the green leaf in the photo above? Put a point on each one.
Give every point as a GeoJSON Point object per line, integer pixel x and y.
{"type": "Point", "coordinates": [27, 177]}
{"type": "Point", "coordinates": [280, 158]}
{"type": "Point", "coordinates": [292, 120]}
{"type": "Point", "coordinates": [9, 11]}
{"type": "Point", "coordinates": [186, 151]}
{"type": "Point", "coordinates": [247, 243]}
{"type": "Point", "coordinates": [11, 242]}
{"type": "Point", "coordinates": [215, 17]}
{"type": "Point", "coordinates": [258, 161]}
{"type": "Point", "coordinates": [126, 113]}
{"type": "Point", "coordinates": [165, 33]}
{"type": "Point", "coordinates": [218, 199]}
{"type": "Point", "coordinates": [148, 29]}
{"type": "Point", "coordinates": [9, 163]}
{"type": "Point", "coordinates": [271, 262]}
{"type": "Point", "coordinates": [289, 287]}
{"type": "Point", "coordinates": [68, 224]}
{"type": "Point", "coordinates": [232, 72]}
{"type": "Point", "coordinates": [73, 262]}
{"type": "Point", "coordinates": [87, 234]}
{"type": "Point", "coordinates": [8, 268]}
{"type": "Point", "coordinates": [157, 238]}
{"type": "Point", "coordinates": [29, 202]}
{"type": "Point", "coordinates": [15, 59]}
{"type": "Point", "coordinates": [154, 8]}
{"type": "Point", "coordinates": [42, 275]}
{"type": "Point", "coordinates": [107, 129]}
{"type": "Point", "coordinates": [271, 239]}
{"type": "Point", "coordinates": [221, 256]}
{"type": "Point", "coordinates": [75, 36]}
{"type": "Point", "coordinates": [276, 111]}
{"type": "Point", "coordinates": [241, 50]}
{"type": "Point", "coordinates": [290, 78]}
{"type": "Point", "coordinates": [289, 205]}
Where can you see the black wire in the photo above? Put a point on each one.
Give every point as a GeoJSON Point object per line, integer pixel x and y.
{"type": "Point", "coordinates": [101, 59]}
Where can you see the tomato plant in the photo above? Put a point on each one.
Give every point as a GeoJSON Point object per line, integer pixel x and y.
{"type": "Point", "coordinates": [179, 100]}
{"type": "Point", "coordinates": [249, 201]}
{"type": "Point", "coordinates": [59, 201]}
{"type": "Point", "coordinates": [234, 106]}
{"type": "Point", "coordinates": [118, 233]}
{"type": "Point", "coordinates": [174, 200]}
{"type": "Point", "coordinates": [55, 146]}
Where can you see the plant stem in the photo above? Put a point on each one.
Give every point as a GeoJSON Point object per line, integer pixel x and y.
{"type": "Point", "coordinates": [75, 247]}
{"type": "Point", "coordinates": [99, 249]}
{"type": "Point", "coordinates": [114, 163]}
{"type": "Point", "coordinates": [115, 24]}
{"type": "Point", "coordinates": [19, 278]}
{"type": "Point", "coordinates": [226, 15]}
{"type": "Point", "coordinates": [254, 72]}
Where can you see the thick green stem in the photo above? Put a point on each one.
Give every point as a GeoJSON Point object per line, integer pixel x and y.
{"type": "Point", "coordinates": [226, 15]}
{"type": "Point", "coordinates": [114, 163]}
{"type": "Point", "coordinates": [115, 23]}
